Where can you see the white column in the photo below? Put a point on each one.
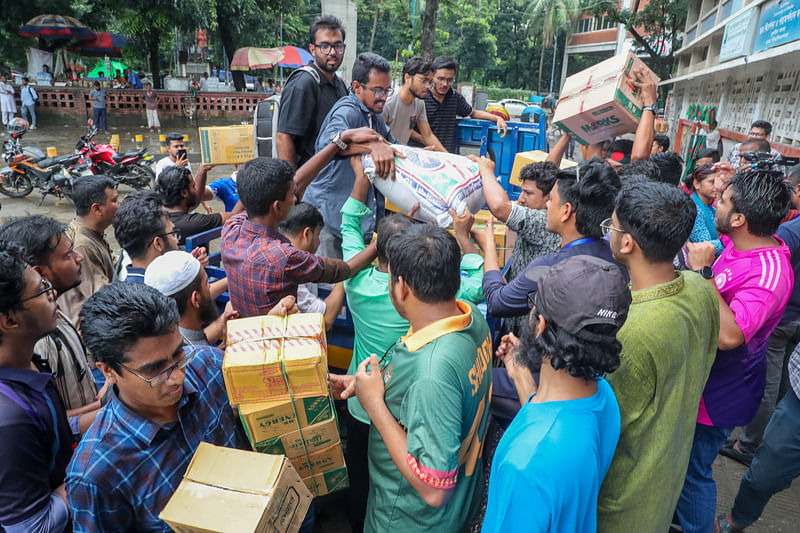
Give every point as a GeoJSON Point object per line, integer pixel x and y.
{"type": "Point", "coordinates": [345, 10]}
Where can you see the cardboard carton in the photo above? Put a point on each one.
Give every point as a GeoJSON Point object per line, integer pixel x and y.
{"type": "Point", "coordinates": [316, 437]}
{"type": "Point", "coordinates": [226, 145]}
{"type": "Point", "coordinates": [500, 231]}
{"type": "Point", "coordinates": [234, 491]}
{"type": "Point", "coordinates": [325, 460]}
{"type": "Point", "coordinates": [600, 102]}
{"type": "Point", "coordinates": [261, 348]}
{"type": "Point", "coordinates": [327, 482]}
{"type": "Point", "coordinates": [265, 420]}
{"type": "Point", "coordinates": [523, 159]}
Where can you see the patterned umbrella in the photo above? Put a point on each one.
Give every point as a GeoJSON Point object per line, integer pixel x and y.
{"type": "Point", "coordinates": [105, 44]}
{"type": "Point", "coordinates": [295, 57]}
{"type": "Point", "coordinates": [251, 58]}
{"type": "Point", "coordinates": [55, 27]}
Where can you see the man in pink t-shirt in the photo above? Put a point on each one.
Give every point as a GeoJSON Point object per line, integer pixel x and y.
{"type": "Point", "coordinates": [754, 280]}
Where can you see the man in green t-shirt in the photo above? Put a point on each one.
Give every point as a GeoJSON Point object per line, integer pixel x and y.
{"type": "Point", "coordinates": [427, 397]}
{"type": "Point", "coordinates": [668, 346]}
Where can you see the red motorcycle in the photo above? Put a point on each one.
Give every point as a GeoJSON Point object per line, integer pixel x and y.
{"type": "Point", "coordinates": [133, 168]}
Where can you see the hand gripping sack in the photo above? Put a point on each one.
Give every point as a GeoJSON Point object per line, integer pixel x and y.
{"type": "Point", "coordinates": [436, 180]}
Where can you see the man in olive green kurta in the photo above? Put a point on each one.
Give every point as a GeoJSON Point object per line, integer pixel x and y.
{"type": "Point", "coordinates": [669, 343]}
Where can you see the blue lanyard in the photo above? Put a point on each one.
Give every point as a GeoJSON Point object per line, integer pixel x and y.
{"type": "Point", "coordinates": [579, 241]}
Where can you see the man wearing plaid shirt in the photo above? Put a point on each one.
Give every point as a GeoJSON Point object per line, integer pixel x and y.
{"type": "Point", "coordinates": [168, 396]}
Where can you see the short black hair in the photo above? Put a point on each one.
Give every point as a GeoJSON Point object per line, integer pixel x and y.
{"type": "Point", "coordinates": [762, 124]}
{"type": "Point", "coordinates": [138, 221]}
{"type": "Point", "coordinates": [670, 166]}
{"type": "Point", "coordinates": [709, 152]}
{"type": "Point", "coordinates": [581, 358]}
{"type": "Point", "coordinates": [591, 189]}
{"type": "Point", "coordinates": [763, 197]}
{"type": "Point", "coordinates": [262, 181]}
{"type": "Point", "coordinates": [324, 22]}
{"type": "Point", "coordinates": [37, 235]}
{"type": "Point", "coordinates": [182, 296]}
{"type": "Point", "coordinates": [90, 190]}
{"type": "Point", "coordinates": [387, 228]}
{"type": "Point", "coordinates": [659, 217]}
{"type": "Point", "coordinates": [661, 140]}
{"type": "Point", "coordinates": [416, 65]}
{"type": "Point", "coordinates": [444, 62]}
{"type": "Point", "coordinates": [303, 215]}
{"type": "Point", "coordinates": [793, 175]}
{"type": "Point", "coordinates": [174, 136]}
{"type": "Point", "coordinates": [621, 145]}
{"type": "Point", "coordinates": [132, 311]}
{"type": "Point", "coordinates": [762, 145]}
{"type": "Point", "coordinates": [12, 276]}
{"type": "Point", "coordinates": [365, 63]}
{"type": "Point", "coordinates": [643, 169]}
{"type": "Point", "coordinates": [543, 173]}
{"type": "Point", "coordinates": [428, 259]}
{"type": "Point", "coordinates": [171, 182]}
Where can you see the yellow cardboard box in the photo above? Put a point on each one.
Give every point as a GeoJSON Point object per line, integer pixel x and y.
{"type": "Point", "coordinates": [316, 437]}
{"type": "Point", "coordinates": [327, 482]}
{"type": "Point", "coordinates": [500, 231]}
{"type": "Point", "coordinates": [234, 491]}
{"type": "Point", "coordinates": [226, 145]}
{"type": "Point", "coordinates": [265, 420]}
{"type": "Point", "coordinates": [600, 102]}
{"type": "Point", "coordinates": [321, 461]}
{"type": "Point", "coordinates": [260, 348]}
{"type": "Point", "coordinates": [522, 159]}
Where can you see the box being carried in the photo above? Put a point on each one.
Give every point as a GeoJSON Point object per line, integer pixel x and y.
{"type": "Point", "coordinates": [260, 349]}
{"type": "Point", "coordinates": [226, 145]}
{"type": "Point", "coordinates": [264, 421]}
{"type": "Point", "coordinates": [601, 102]}
{"type": "Point", "coordinates": [234, 491]}
{"type": "Point", "coordinates": [523, 159]}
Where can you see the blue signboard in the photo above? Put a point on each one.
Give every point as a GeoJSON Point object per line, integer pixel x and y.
{"type": "Point", "coordinates": [779, 24]}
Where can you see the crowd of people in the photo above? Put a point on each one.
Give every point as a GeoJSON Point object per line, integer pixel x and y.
{"type": "Point", "coordinates": [641, 319]}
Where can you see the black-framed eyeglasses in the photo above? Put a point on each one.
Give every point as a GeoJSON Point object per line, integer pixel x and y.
{"type": "Point", "coordinates": [162, 377]}
{"type": "Point", "coordinates": [46, 287]}
{"type": "Point", "coordinates": [531, 299]}
{"type": "Point", "coordinates": [448, 81]}
{"type": "Point", "coordinates": [325, 48]}
{"type": "Point", "coordinates": [608, 226]}
{"type": "Point", "coordinates": [175, 233]}
{"type": "Point", "coordinates": [380, 92]}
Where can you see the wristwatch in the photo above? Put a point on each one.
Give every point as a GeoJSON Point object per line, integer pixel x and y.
{"type": "Point", "coordinates": [649, 108]}
{"type": "Point", "coordinates": [337, 140]}
{"type": "Point", "coordinates": [707, 272]}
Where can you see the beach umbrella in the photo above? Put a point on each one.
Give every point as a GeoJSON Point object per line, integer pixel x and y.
{"type": "Point", "coordinates": [54, 27]}
{"type": "Point", "coordinates": [295, 57]}
{"type": "Point", "coordinates": [104, 44]}
{"type": "Point", "coordinates": [251, 58]}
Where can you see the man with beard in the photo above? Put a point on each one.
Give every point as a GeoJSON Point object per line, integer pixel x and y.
{"type": "Point", "coordinates": [405, 110]}
{"type": "Point", "coordinates": [180, 276]}
{"type": "Point", "coordinates": [306, 98]}
{"type": "Point", "coordinates": [50, 252]}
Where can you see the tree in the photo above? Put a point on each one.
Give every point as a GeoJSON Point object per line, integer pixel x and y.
{"type": "Point", "coordinates": [428, 28]}
{"type": "Point", "coordinates": [552, 15]}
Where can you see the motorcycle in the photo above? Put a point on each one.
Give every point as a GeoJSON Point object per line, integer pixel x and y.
{"type": "Point", "coordinates": [132, 168]}
{"type": "Point", "coordinates": [27, 169]}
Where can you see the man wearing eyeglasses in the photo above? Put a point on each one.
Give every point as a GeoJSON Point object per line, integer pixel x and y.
{"type": "Point", "coordinates": [168, 396]}
{"type": "Point", "coordinates": [444, 105]}
{"type": "Point", "coordinates": [760, 129]}
{"type": "Point", "coordinates": [306, 99]}
{"type": "Point", "coordinates": [404, 111]}
{"type": "Point", "coordinates": [35, 437]}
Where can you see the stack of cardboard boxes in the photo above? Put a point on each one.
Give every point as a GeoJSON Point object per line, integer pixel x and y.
{"type": "Point", "coordinates": [276, 371]}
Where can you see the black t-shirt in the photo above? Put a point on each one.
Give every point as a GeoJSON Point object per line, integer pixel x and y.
{"type": "Point", "coordinates": [443, 117]}
{"type": "Point", "coordinates": [193, 223]}
{"type": "Point", "coordinates": [302, 115]}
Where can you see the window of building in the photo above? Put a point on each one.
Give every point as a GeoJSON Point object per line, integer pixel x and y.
{"type": "Point", "coordinates": [603, 23]}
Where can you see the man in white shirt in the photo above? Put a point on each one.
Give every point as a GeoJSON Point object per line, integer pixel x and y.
{"type": "Point", "coordinates": [204, 82]}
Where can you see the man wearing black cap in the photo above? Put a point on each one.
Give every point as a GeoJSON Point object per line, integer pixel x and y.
{"type": "Point", "coordinates": [548, 466]}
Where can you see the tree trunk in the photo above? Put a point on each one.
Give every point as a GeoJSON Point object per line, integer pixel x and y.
{"type": "Point", "coordinates": [229, 47]}
{"type": "Point", "coordinates": [541, 62]}
{"type": "Point", "coordinates": [428, 29]}
{"type": "Point", "coordinates": [375, 24]}
{"type": "Point", "coordinates": [152, 46]}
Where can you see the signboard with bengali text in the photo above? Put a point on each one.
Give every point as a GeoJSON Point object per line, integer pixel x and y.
{"type": "Point", "coordinates": [778, 24]}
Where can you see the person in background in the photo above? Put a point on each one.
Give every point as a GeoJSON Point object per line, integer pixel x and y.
{"type": "Point", "coordinates": [759, 129]}
{"type": "Point", "coordinates": [98, 98]}
{"type": "Point", "coordinates": [168, 396]}
{"type": "Point", "coordinates": [28, 97]}
{"type": "Point", "coordinates": [706, 155]}
{"type": "Point", "coordinates": [224, 189]}
{"type": "Point", "coordinates": [180, 276]}
{"type": "Point", "coordinates": [713, 139]}
{"type": "Point", "coordinates": [753, 278]}
{"type": "Point", "coordinates": [701, 185]}
{"type": "Point", "coordinates": [119, 80]}
{"type": "Point", "coordinates": [669, 343]}
{"type": "Point", "coordinates": [44, 77]}
{"type": "Point", "coordinates": [302, 228]}
{"type": "Point", "coordinates": [404, 111]}
{"type": "Point", "coordinates": [151, 100]}
{"type": "Point", "coordinates": [754, 144]}
{"type": "Point", "coordinates": [639, 170]}
{"type": "Point", "coordinates": [670, 166]}
{"type": "Point", "coordinates": [204, 82]}
{"type": "Point", "coordinates": [660, 143]}
{"type": "Point", "coordinates": [96, 201]}
{"type": "Point", "coordinates": [35, 436]}
{"type": "Point", "coordinates": [133, 80]}
{"type": "Point", "coordinates": [8, 107]}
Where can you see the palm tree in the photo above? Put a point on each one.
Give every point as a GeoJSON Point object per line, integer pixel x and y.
{"type": "Point", "coordinates": [552, 15]}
